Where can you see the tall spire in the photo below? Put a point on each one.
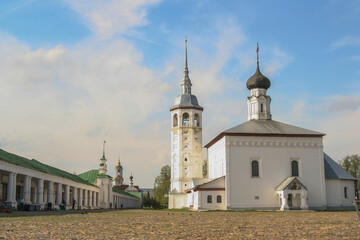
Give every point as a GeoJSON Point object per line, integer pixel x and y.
{"type": "Point", "coordinates": [119, 160]}
{"type": "Point", "coordinates": [186, 83]}
{"type": "Point", "coordinates": [104, 149]}
{"type": "Point", "coordinates": [257, 55]}
{"type": "Point", "coordinates": [186, 64]}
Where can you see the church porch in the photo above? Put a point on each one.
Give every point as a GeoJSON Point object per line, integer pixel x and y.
{"type": "Point", "coordinates": [292, 194]}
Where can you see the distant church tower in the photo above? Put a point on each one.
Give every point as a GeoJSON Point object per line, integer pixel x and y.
{"type": "Point", "coordinates": [258, 102]}
{"type": "Point", "coordinates": [119, 174]}
{"type": "Point", "coordinates": [103, 166]}
{"type": "Point", "coordinates": [186, 141]}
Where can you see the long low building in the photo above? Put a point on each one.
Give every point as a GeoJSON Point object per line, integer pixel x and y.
{"type": "Point", "coordinates": [43, 185]}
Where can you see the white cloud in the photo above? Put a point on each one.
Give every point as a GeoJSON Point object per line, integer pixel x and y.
{"type": "Point", "coordinates": [109, 17]}
{"type": "Point", "coordinates": [341, 103]}
{"type": "Point", "coordinates": [278, 60]}
{"type": "Point", "coordinates": [298, 109]}
{"type": "Point", "coordinates": [345, 41]}
{"type": "Point", "coordinates": [342, 133]}
{"type": "Point", "coordinates": [61, 103]}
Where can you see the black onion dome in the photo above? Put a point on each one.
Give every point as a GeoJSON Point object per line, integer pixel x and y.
{"type": "Point", "coordinates": [258, 81]}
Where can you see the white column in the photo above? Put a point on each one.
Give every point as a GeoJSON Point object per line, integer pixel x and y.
{"type": "Point", "coordinates": [14, 193]}
{"type": "Point", "coordinates": [86, 198]}
{"type": "Point", "coordinates": [80, 204]}
{"type": "Point", "coordinates": [59, 194]}
{"type": "Point", "coordinates": [51, 192]}
{"type": "Point", "coordinates": [303, 197]}
{"type": "Point", "coordinates": [75, 194]}
{"type": "Point", "coordinates": [40, 192]}
{"type": "Point", "coordinates": [110, 195]}
{"type": "Point", "coordinates": [27, 189]}
{"type": "Point", "coordinates": [92, 198]}
{"type": "Point", "coordinates": [67, 195]}
{"type": "Point", "coordinates": [11, 187]}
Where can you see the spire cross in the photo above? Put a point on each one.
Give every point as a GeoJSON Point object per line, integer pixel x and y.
{"type": "Point", "coordinates": [104, 149]}
{"type": "Point", "coordinates": [186, 64]}
{"type": "Point", "coordinates": [257, 54]}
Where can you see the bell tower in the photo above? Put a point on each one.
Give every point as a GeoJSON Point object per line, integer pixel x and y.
{"type": "Point", "coordinates": [119, 174]}
{"type": "Point", "coordinates": [186, 141]}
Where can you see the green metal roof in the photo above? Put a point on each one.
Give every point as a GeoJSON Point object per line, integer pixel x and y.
{"type": "Point", "coordinates": [126, 193]}
{"type": "Point", "coordinates": [90, 176]}
{"type": "Point", "coordinates": [136, 194]}
{"type": "Point", "coordinates": [40, 167]}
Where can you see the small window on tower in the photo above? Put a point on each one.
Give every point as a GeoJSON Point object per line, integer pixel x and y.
{"type": "Point", "coordinates": [262, 107]}
{"type": "Point", "coordinates": [185, 159]}
{"type": "Point", "coordinates": [175, 120]}
{"type": "Point", "coordinates": [196, 120]}
{"type": "Point", "coordinates": [186, 120]}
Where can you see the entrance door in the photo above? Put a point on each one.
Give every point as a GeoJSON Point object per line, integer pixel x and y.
{"type": "Point", "coordinates": [290, 202]}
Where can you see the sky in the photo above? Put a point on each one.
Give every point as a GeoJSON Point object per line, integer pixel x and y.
{"type": "Point", "coordinates": [74, 73]}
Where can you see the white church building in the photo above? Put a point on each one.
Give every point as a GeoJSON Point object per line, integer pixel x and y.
{"type": "Point", "coordinates": [259, 164]}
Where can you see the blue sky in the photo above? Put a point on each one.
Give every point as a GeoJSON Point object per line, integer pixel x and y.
{"type": "Point", "coordinates": [81, 73]}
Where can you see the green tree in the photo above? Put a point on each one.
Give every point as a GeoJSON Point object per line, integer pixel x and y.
{"type": "Point", "coordinates": [352, 165]}
{"type": "Point", "coordinates": [162, 186]}
{"type": "Point", "coordinates": [147, 200]}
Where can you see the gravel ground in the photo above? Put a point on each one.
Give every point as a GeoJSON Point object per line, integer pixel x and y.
{"type": "Point", "coordinates": [148, 224]}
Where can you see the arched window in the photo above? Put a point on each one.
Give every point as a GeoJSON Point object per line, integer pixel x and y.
{"type": "Point", "coordinates": [218, 199]}
{"type": "Point", "coordinates": [196, 120]}
{"type": "Point", "coordinates": [294, 168]}
{"type": "Point", "coordinates": [255, 168]}
{"type": "Point", "coordinates": [345, 192]}
{"type": "Point", "coordinates": [262, 107]}
{"type": "Point", "coordinates": [186, 120]}
{"type": "Point", "coordinates": [175, 120]}
{"type": "Point", "coordinates": [209, 199]}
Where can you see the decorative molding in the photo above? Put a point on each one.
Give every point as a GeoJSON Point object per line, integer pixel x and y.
{"type": "Point", "coordinates": [274, 143]}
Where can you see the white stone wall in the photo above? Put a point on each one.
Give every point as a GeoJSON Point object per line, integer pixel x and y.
{"type": "Point", "coordinates": [40, 186]}
{"type": "Point", "coordinates": [216, 159]}
{"type": "Point", "coordinates": [274, 155]}
{"type": "Point", "coordinates": [335, 192]}
{"type": "Point", "coordinates": [203, 204]}
{"type": "Point", "coordinates": [125, 200]}
{"type": "Point", "coordinates": [177, 201]}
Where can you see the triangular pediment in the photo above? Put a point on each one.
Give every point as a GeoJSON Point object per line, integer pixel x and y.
{"type": "Point", "coordinates": [291, 183]}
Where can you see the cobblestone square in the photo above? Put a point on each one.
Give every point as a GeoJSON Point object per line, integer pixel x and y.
{"type": "Point", "coordinates": [149, 224]}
